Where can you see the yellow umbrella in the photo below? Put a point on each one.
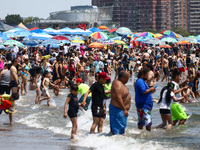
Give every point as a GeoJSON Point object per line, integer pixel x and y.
{"type": "Point", "coordinates": [119, 42]}
{"type": "Point", "coordinates": [78, 41]}
{"type": "Point", "coordinates": [96, 45]}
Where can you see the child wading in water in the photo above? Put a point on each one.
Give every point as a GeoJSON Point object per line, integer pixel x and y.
{"type": "Point", "coordinates": [72, 100]}
{"type": "Point", "coordinates": [165, 102]}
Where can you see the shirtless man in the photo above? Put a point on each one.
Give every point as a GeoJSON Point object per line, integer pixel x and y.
{"type": "Point", "coordinates": [150, 78]}
{"type": "Point", "coordinates": [145, 56]}
{"type": "Point", "coordinates": [120, 103]}
{"type": "Point", "coordinates": [14, 82]}
{"type": "Point", "coordinates": [81, 69]}
{"type": "Point", "coordinates": [165, 68]}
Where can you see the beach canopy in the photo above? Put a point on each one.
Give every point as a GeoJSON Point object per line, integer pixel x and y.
{"type": "Point", "coordinates": [169, 40]}
{"type": "Point", "coordinates": [171, 33]}
{"type": "Point", "coordinates": [52, 31]}
{"type": "Point", "coordinates": [183, 43]}
{"type": "Point", "coordinates": [4, 27]}
{"type": "Point", "coordinates": [123, 31]}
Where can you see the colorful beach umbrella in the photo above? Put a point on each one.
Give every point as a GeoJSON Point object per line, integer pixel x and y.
{"type": "Point", "coordinates": [123, 31]}
{"type": "Point", "coordinates": [183, 43]}
{"type": "Point", "coordinates": [119, 42]}
{"type": "Point", "coordinates": [103, 28]}
{"type": "Point", "coordinates": [169, 40]}
{"type": "Point", "coordinates": [99, 35]}
{"type": "Point", "coordinates": [171, 33]}
{"type": "Point", "coordinates": [31, 43]}
{"type": "Point", "coordinates": [96, 45]}
{"type": "Point", "coordinates": [78, 41]}
{"type": "Point", "coordinates": [108, 42]}
{"type": "Point", "coordinates": [144, 34]}
{"type": "Point", "coordinates": [165, 46]}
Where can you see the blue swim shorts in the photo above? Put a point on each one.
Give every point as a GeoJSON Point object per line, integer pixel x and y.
{"type": "Point", "coordinates": [144, 117]}
{"type": "Point", "coordinates": [117, 120]}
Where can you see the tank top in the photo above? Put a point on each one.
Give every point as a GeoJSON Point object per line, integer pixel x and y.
{"type": "Point", "coordinates": [180, 65]}
{"type": "Point", "coordinates": [5, 79]}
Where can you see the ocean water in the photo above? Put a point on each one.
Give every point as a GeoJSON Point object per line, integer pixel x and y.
{"type": "Point", "coordinates": [51, 118]}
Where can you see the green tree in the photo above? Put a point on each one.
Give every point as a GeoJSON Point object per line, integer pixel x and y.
{"type": "Point", "coordinates": [181, 31]}
{"type": "Point", "coordinates": [13, 19]}
{"type": "Point", "coordinates": [30, 20]}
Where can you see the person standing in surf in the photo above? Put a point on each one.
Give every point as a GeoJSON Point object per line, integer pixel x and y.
{"type": "Point", "coordinates": [143, 100]}
{"type": "Point", "coordinates": [120, 103]}
{"type": "Point", "coordinates": [98, 107]}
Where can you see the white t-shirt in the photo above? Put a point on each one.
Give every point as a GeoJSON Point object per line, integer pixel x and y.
{"type": "Point", "coordinates": [163, 103]}
{"type": "Point", "coordinates": [66, 49]}
{"type": "Point", "coordinates": [176, 87]}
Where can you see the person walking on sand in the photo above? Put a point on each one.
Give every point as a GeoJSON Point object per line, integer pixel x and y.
{"type": "Point", "coordinates": [120, 103]}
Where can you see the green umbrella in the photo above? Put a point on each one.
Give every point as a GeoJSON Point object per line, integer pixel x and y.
{"type": "Point", "coordinates": [112, 35]}
{"type": "Point", "coordinates": [11, 42]}
{"type": "Point", "coordinates": [169, 40]}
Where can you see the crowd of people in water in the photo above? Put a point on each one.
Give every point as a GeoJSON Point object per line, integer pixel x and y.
{"type": "Point", "coordinates": [87, 70]}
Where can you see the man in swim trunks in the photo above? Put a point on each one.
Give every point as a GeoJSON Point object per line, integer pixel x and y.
{"type": "Point", "coordinates": [143, 100]}
{"type": "Point", "coordinates": [14, 81]}
{"type": "Point", "coordinates": [120, 103]}
{"type": "Point", "coordinates": [165, 67]}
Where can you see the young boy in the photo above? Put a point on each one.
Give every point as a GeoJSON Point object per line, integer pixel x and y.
{"type": "Point", "coordinates": [72, 100]}
{"type": "Point", "coordinates": [45, 84]}
{"type": "Point", "coordinates": [6, 103]}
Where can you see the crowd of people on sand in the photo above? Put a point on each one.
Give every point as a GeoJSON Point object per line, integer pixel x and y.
{"type": "Point", "coordinates": [73, 67]}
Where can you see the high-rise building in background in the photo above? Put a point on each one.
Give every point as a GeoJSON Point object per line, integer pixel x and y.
{"type": "Point", "coordinates": [194, 16]}
{"type": "Point", "coordinates": [140, 15]}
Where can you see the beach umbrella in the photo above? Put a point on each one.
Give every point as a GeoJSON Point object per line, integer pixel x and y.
{"type": "Point", "coordinates": [11, 42]}
{"type": "Point", "coordinates": [171, 33]}
{"type": "Point", "coordinates": [108, 42]}
{"type": "Point", "coordinates": [94, 30]}
{"type": "Point", "coordinates": [140, 39]}
{"type": "Point", "coordinates": [99, 35]}
{"type": "Point", "coordinates": [78, 41]}
{"type": "Point", "coordinates": [103, 28]}
{"type": "Point", "coordinates": [112, 30]}
{"type": "Point", "coordinates": [77, 38]}
{"type": "Point", "coordinates": [118, 42]}
{"type": "Point", "coordinates": [2, 47]}
{"type": "Point", "coordinates": [65, 41]}
{"type": "Point", "coordinates": [123, 31]}
{"type": "Point", "coordinates": [157, 35]}
{"type": "Point", "coordinates": [22, 33]}
{"type": "Point", "coordinates": [96, 45]}
{"type": "Point", "coordinates": [113, 35]}
{"type": "Point", "coordinates": [183, 43]}
{"type": "Point", "coordinates": [31, 43]}
{"type": "Point", "coordinates": [52, 31]}
{"type": "Point", "coordinates": [50, 41]}
{"type": "Point", "coordinates": [169, 40]}
{"type": "Point", "coordinates": [106, 32]}
{"type": "Point", "coordinates": [155, 41]}
{"type": "Point", "coordinates": [144, 34]}
{"type": "Point", "coordinates": [1, 40]}
{"type": "Point", "coordinates": [192, 37]}
{"type": "Point", "coordinates": [59, 38]}
{"type": "Point", "coordinates": [165, 46]}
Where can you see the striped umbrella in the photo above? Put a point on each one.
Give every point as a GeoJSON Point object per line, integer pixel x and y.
{"type": "Point", "coordinates": [100, 35]}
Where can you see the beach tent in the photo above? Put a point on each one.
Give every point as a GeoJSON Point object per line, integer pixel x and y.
{"type": "Point", "coordinates": [52, 31]}
{"type": "Point", "coordinates": [22, 26]}
{"type": "Point", "coordinates": [4, 27]}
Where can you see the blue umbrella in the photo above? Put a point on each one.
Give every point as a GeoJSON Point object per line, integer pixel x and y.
{"type": "Point", "coordinates": [65, 41]}
{"type": "Point", "coordinates": [52, 42]}
{"type": "Point", "coordinates": [123, 31]}
{"type": "Point", "coordinates": [22, 33]}
{"type": "Point", "coordinates": [2, 47]}
{"type": "Point", "coordinates": [31, 43]}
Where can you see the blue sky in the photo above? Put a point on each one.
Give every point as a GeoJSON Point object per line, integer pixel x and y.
{"type": "Point", "coordinates": [37, 8]}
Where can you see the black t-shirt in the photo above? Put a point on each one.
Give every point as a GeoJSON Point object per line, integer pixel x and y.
{"type": "Point", "coordinates": [73, 103]}
{"type": "Point", "coordinates": [98, 94]}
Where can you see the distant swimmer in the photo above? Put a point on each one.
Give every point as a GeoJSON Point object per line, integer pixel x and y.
{"type": "Point", "coordinates": [120, 103]}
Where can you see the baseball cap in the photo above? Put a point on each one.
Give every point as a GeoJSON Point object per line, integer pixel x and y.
{"type": "Point", "coordinates": [104, 75]}
{"type": "Point", "coordinates": [79, 80]}
{"type": "Point", "coordinates": [138, 62]}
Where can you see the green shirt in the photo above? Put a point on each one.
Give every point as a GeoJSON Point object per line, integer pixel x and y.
{"type": "Point", "coordinates": [83, 88]}
{"type": "Point", "coordinates": [107, 87]}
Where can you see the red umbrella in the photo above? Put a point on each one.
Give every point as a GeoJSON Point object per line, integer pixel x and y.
{"type": "Point", "coordinates": [112, 30]}
{"type": "Point", "coordinates": [60, 38]}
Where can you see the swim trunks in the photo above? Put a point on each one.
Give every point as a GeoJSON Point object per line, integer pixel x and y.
{"type": "Point", "coordinates": [144, 117]}
{"type": "Point", "coordinates": [45, 93]}
{"type": "Point", "coordinates": [72, 113]}
{"type": "Point", "coordinates": [117, 120]}
{"type": "Point", "coordinates": [13, 84]}
{"type": "Point", "coordinates": [97, 111]}
{"type": "Point", "coordinates": [177, 112]}
{"type": "Point", "coordinates": [166, 71]}
{"type": "Point", "coordinates": [88, 99]}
